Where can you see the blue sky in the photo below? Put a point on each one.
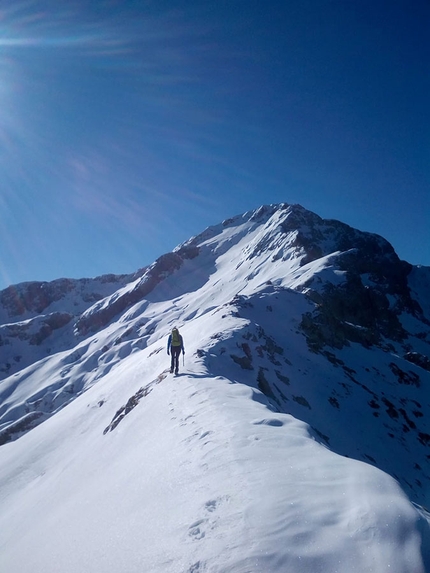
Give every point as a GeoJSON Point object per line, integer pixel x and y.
{"type": "Point", "coordinates": [127, 127]}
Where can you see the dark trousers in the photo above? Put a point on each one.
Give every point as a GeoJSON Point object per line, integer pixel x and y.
{"type": "Point", "coordinates": [175, 351]}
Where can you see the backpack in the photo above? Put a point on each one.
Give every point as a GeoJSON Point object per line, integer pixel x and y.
{"type": "Point", "coordinates": [176, 338]}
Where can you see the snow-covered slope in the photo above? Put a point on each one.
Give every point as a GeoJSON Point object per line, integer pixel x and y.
{"type": "Point", "coordinates": [295, 439]}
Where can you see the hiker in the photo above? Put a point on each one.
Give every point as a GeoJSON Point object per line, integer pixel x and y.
{"type": "Point", "coordinates": [174, 346]}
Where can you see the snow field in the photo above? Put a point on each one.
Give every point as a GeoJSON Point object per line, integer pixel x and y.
{"type": "Point", "coordinates": [200, 476]}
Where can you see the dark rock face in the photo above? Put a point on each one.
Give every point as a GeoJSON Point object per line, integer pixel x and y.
{"type": "Point", "coordinates": [352, 312]}
{"type": "Point", "coordinates": [32, 332]}
{"type": "Point", "coordinates": [36, 330]}
{"type": "Point", "coordinates": [34, 296]}
{"type": "Point", "coordinates": [49, 324]}
{"type": "Point", "coordinates": [20, 427]}
{"type": "Point", "coordinates": [418, 359]}
{"type": "Point", "coordinates": [366, 307]}
{"type": "Point", "coordinates": [132, 402]}
{"type": "Point", "coordinates": [162, 268]}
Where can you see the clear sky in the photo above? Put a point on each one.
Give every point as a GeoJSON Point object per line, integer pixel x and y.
{"type": "Point", "coordinates": [126, 127]}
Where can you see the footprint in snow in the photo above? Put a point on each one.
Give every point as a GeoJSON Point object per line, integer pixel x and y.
{"type": "Point", "coordinates": [187, 419]}
{"type": "Point", "coordinates": [192, 437]}
{"type": "Point", "coordinates": [211, 505]}
{"type": "Point", "coordinates": [196, 530]}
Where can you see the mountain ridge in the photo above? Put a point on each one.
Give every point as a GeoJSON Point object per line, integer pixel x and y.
{"type": "Point", "coordinates": [307, 316]}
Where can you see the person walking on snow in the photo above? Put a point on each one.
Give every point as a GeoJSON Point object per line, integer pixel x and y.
{"type": "Point", "coordinates": [174, 346]}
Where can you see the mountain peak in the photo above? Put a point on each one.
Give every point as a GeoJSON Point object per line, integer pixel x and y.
{"type": "Point", "coordinates": [297, 329]}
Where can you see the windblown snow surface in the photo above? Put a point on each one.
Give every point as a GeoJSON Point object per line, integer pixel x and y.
{"type": "Point", "coordinates": [145, 472]}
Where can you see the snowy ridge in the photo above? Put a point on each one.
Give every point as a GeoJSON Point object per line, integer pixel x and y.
{"type": "Point", "coordinates": [295, 439]}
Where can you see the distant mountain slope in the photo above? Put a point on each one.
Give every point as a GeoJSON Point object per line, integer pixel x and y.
{"type": "Point", "coordinates": [37, 318]}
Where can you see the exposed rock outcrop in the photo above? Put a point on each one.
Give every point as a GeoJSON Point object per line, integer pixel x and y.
{"type": "Point", "coordinates": [163, 267]}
